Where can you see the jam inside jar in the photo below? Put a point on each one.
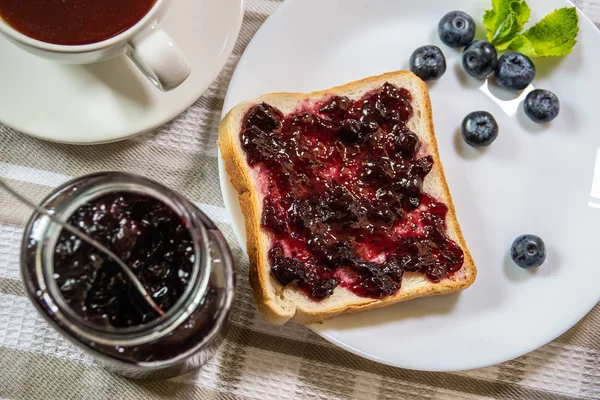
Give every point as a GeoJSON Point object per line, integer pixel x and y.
{"type": "Point", "coordinates": [175, 251]}
{"type": "Point", "coordinates": [145, 234]}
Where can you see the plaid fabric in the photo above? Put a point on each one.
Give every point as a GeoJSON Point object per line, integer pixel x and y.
{"type": "Point", "coordinates": [257, 360]}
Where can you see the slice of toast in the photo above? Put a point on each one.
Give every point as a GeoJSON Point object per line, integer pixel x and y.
{"type": "Point", "coordinates": [280, 304]}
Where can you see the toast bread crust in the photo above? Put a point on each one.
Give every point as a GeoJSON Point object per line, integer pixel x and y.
{"type": "Point", "coordinates": [279, 304]}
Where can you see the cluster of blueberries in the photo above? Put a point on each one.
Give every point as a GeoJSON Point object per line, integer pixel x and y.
{"type": "Point", "coordinates": [513, 71]}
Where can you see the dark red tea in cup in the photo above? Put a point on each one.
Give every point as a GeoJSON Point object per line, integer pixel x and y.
{"type": "Point", "coordinates": [73, 22]}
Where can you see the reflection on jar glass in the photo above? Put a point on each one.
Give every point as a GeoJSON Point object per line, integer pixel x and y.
{"type": "Point", "coordinates": [175, 251]}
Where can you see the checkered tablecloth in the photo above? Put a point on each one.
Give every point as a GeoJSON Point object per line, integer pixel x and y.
{"type": "Point", "coordinates": [257, 360]}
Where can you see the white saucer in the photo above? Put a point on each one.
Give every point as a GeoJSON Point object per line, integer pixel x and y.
{"type": "Point", "coordinates": [532, 179]}
{"type": "Point", "coordinates": [113, 100]}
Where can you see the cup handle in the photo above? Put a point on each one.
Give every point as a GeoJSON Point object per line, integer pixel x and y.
{"type": "Point", "coordinates": [159, 58]}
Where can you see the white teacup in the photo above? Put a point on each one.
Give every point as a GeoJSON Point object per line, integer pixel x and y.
{"type": "Point", "coordinates": [148, 46]}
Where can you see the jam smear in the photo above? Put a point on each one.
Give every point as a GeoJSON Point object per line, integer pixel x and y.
{"type": "Point", "coordinates": [147, 235]}
{"type": "Point", "coordinates": [344, 200]}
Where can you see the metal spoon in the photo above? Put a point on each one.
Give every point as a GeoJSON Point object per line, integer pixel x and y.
{"type": "Point", "coordinates": [136, 283]}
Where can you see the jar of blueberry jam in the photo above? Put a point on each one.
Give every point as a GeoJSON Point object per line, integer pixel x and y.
{"type": "Point", "coordinates": [176, 253]}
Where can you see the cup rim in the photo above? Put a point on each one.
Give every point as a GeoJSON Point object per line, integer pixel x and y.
{"type": "Point", "coordinates": [127, 34]}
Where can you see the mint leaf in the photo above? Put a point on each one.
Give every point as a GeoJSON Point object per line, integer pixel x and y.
{"type": "Point", "coordinates": [554, 35]}
{"type": "Point", "coordinates": [522, 45]}
{"type": "Point", "coordinates": [506, 45]}
{"type": "Point", "coordinates": [505, 20]}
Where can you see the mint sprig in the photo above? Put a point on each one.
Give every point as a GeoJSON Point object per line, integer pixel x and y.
{"type": "Point", "coordinates": [505, 20]}
{"type": "Point", "coordinates": [554, 35]}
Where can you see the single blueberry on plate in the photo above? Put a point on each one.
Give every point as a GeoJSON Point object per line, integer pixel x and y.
{"type": "Point", "coordinates": [528, 251]}
{"type": "Point", "coordinates": [456, 29]}
{"type": "Point", "coordinates": [479, 129]}
{"type": "Point", "coordinates": [514, 71]}
{"type": "Point", "coordinates": [541, 105]}
{"type": "Point", "coordinates": [479, 59]}
{"type": "Point", "coordinates": [428, 63]}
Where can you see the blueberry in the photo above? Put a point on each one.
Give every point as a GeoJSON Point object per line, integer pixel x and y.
{"type": "Point", "coordinates": [479, 129]}
{"type": "Point", "coordinates": [324, 288]}
{"type": "Point", "coordinates": [456, 29]}
{"type": "Point", "coordinates": [528, 251]}
{"type": "Point", "coordinates": [350, 131]}
{"type": "Point", "coordinates": [514, 71]}
{"type": "Point", "coordinates": [264, 117]}
{"type": "Point", "coordinates": [428, 63]}
{"type": "Point", "coordinates": [407, 143]}
{"type": "Point", "coordinates": [479, 59]}
{"type": "Point", "coordinates": [541, 106]}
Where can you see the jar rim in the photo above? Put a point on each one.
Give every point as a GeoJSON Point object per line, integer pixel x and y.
{"type": "Point", "coordinates": [97, 185]}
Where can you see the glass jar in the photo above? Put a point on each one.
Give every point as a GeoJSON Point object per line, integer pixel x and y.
{"type": "Point", "coordinates": [179, 341]}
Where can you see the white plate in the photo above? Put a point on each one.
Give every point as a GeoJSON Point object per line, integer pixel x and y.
{"type": "Point", "coordinates": [533, 179]}
{"type": "Point", "coordinates": [113, 100]}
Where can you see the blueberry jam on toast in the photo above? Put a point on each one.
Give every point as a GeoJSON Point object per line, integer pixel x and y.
{"type": "Point", "coordinates": [343, 199]}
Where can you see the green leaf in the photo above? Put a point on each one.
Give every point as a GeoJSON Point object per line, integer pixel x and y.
{"type": "Point", "coordinates": [554, 35]}
{"type": "Point", "coordinates": [505, 20]}
{"type": "Point", "coordinates": [505, 45]}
